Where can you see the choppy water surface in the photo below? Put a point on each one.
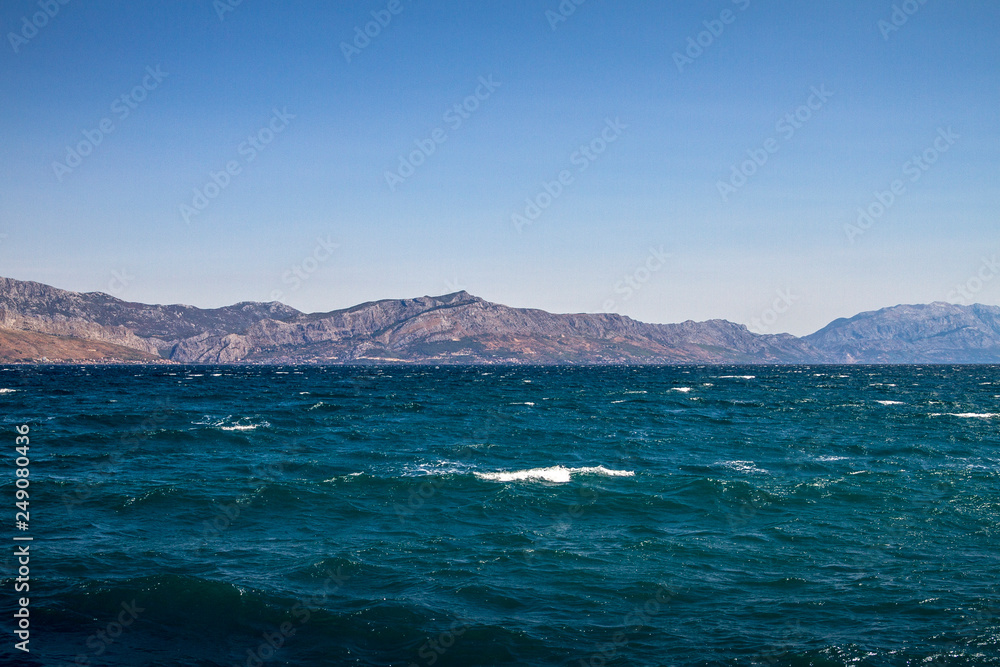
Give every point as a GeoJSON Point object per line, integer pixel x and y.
{"type": "Point", "coordinates": [510, 516]}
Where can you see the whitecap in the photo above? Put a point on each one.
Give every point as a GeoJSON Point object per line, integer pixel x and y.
{"type": "Point", "coordinates": [739, 377]}
{"type": "Point", "coordinates": [555, 474]}
{"type": "Point", "coordinates": [681, 389]}
{"type": "Point", "coordinates": [348, 476]}
{"type": "Point", "coordinates": [440, 467]}
{"type": "Point", "coordinates": [242, 427]}
{"type": "Point", "coordinates": [970, 415]}
{"type": "Point", "coordinates": [743, 466]}
{"type": "Point", "coordinates": [889, 402]}
{"type": "Point", "coordinates": [6, 390]}
{"type": "Point", "coordinates": [228, 424]}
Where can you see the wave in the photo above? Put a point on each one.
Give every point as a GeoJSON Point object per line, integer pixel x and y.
{"type": "Point", "coordinates": [890, 402]}
{"type": "Point", "coordinates": [738, 377]}
{"type": "Point", "coordinates": [681, 389]}
{"type": "Point", "coordinates": [242, 427]}
{"type": "Point", "coordinates": [967, 415]}
{"type": "Point", "coordinates": [5, 390]}
{"type": "Point", "coordinates": [166, 493]}
{"type": "Point", "coordinates": [743, 466]}
{"type": "Point", "coordinates": [230, 424]}
{"type": "Point", "coordinates": [441, 467]}
{"type": "Point", "coordinates": [555, 474]}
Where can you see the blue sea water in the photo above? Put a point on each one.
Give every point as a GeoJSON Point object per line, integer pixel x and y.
{"type": "Point", "coordinates": [422, 516]}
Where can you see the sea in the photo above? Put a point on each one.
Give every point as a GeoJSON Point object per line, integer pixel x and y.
{"type": "Point", "coordinates": [501, 515]}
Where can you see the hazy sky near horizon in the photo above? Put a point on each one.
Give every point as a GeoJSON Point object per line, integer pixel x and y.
{"type": "Point", "coordinates": [665, 160]}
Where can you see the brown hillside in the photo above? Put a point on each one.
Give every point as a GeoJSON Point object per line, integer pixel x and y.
{"type": "Point", "coordinates": [26, 346]}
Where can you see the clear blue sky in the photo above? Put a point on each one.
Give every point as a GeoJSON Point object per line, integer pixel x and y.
{"type": "Point", "coordinates": [663, 132]}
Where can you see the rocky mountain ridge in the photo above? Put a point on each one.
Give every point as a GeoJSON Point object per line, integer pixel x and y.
{"type": "Point", "coordinates": [462, 328]}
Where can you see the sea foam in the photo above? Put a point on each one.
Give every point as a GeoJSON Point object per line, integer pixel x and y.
{"type": "Point", "coordinates": [742, 466]}
{"type": "Point", "coordinates": [228, 424]}
{"type": "Point", "coordinates": [969, 415]}
{"type": "Point", "coordinates": [556, 474]}
{"type": "Point", "coordinates": [241, 427]}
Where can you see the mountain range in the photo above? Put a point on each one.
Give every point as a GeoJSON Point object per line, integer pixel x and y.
{"type": "Point", "coordinates": [39, 323]}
